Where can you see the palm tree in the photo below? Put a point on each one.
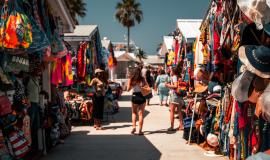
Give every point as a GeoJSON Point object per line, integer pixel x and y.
{"type": "Point", "coordinates": [128, 12]}
{"type": "Point", "coordinates": [77, 8]}
{"type": "Point", "coordinates": [140, 54]}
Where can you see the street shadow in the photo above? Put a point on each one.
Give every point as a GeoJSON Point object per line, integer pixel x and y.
{"type": "Point", "coordinates": [161, 131]}
{"type": "Point", "coordinates": [81, 145]}
{"type": "Point", "coordinates": [116, 127]}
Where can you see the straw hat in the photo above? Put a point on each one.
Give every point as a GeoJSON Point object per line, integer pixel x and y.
{"type": "Point", "coordinates": [256, 10]}
{"type": "Point", "coordinates": [98, 71]}
{"type": "Point", "coordinates": [201, 75]}
{"type": "Point", "coordinates": [256, 59]}
{"type": "Point", "coordinates": [200, 87]}
{"type": "Point", "coordinates": [241, 86]}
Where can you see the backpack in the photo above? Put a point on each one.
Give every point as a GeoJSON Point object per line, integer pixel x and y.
{"type": "Point", "coordinates": [182, 88]}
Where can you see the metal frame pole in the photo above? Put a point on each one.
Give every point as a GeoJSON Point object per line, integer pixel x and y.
{"type": "Point", "coordinates": [192, 120]}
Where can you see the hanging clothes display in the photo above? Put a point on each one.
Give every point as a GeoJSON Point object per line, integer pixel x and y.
{"type": "Point", "coordinates": [231, 46]}
{"type": "Point", "coordinates": [29, 29]}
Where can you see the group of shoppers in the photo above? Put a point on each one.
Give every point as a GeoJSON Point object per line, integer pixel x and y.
{"type": "Point", "coordinates": [166, 85]}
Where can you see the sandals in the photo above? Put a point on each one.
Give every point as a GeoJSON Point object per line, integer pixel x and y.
{"type": "Point", "coordinates": [133, 131]}
{"type": "Point", "coordinates": [140, 133]}
{"type": "Point", "coordinates": [170, 129]}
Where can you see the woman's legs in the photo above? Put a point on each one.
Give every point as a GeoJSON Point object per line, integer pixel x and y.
{"type": "Point", "coordinates": [172, 110]}
{"type": "Point", "coordinates": [181, 126]}
{"type": "Point", "coordinates": [134, 115]}
{"type": "Point", "coordinates": [148, 102]}
{"type": "Point", "coordinates": [141, 112]}
{"type": "Point", "coordinates": [161, 99]}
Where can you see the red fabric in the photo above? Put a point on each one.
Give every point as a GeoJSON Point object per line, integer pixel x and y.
{"type": "Point", "coordinates": [229, 111]}
{"type": "Point", "coordinates": [56, 75]}
{"type": "Point", "coordinates": [242, 112]}
{"type": "Point", "coordinates": [67, 70]}
{"type": "Point", "coordinates": [176, 51]}
{"type": "Point", "coordinates": [217, 53]}
{"type": "Point", "coordinates": [81, 68]}
{"type": "Point", "coordinates": [5, 106]}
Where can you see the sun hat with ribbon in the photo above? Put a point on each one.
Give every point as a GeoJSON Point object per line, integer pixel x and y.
{"type": "Point", "coordinates": [257, 11]}
{"type": "Point", "coordinates": [256, 59]}
{"type": "Point", "coordinates": [241, 84]}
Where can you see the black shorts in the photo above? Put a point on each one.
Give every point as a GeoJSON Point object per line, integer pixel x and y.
{"type": "Point", "coordinates": [138, 98]}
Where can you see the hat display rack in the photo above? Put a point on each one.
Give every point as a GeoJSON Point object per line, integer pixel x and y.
{"type": "Point", "coordinates": [234, 76]}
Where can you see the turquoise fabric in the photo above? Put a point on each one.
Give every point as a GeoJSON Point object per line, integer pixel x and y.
{"type": "Point", "coordinates": [160, 82]}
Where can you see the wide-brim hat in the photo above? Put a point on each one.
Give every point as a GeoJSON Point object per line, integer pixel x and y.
{"type": "Point", "coordinates": [241, 84]}
{"type": "Point", "coordinates": [256, 59]}
{"type": "Point", "coordinates": [257, 11]}
{"type": "Point", "coordinates": [98, 71]}
{"type": "Point", "coordinates": [201, 75]}
{"type": "Point", "coordinates": [200, 87]}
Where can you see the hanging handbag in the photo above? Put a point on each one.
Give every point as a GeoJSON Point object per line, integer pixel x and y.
{"type": "Point", "coordinates": [146, 90]}
{"type": "Point", "coordinates": [5, 106]}
{"type": "Point", "coordinates": [19, 146]}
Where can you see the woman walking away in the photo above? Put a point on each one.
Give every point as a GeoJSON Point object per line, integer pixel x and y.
{"type": "Point", "coordinates": [135, 82]}
{"type": "Point", "coordinates": [149, 80]}
{"type": "Point", "coordinates": [162, 79]}
{"type": "Point", "coordinates": [100, 83]}
{"type": "Point", "coordinates": [176, 102]}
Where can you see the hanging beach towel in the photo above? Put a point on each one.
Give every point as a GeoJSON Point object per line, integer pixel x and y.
{"type": "Point", "coordinates": [56, 72]}
{"type": "Point", "coordinates": [67, 70]}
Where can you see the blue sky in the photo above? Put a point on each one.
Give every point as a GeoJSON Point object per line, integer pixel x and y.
{"type": "Point", "coordinates": [159, 19]}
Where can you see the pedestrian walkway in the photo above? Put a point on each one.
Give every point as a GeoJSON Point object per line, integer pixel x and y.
{"type": "Point", "coordinates": [116, 142]}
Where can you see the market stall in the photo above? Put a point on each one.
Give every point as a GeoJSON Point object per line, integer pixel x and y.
{"type": "Point", "coordinates": [32, 120]}
{"type": "Point", "coordinates": [230, 112]}
{"type": "Point", "coordinates": [88, 56]}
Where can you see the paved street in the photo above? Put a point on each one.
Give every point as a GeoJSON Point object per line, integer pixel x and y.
{"type": "Point", "coordinates": [116, 142]}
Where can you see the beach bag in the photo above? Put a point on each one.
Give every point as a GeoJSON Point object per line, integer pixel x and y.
{"type": "Point", "coordinates": [17, 64]}
{"type": "Point", "coordinates": [182, 88]}
{"type": "Point", "coordinates": [17, 27]}
{"type": "Point", "coordinates": [146, 90]}
{"type": "Point", "coordinates": [187, 125]}
{"type": "Point", "coordinates": [5, 106]}
{"type": "Point", "coordinates": [187, 122]}
{"type": "Point", "coordinates": [18, 144]}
